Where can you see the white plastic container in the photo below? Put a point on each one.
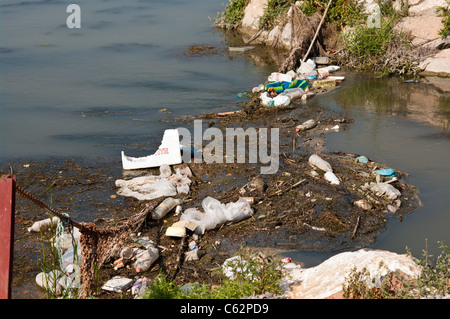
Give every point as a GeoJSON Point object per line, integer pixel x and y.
{"type": "Point", "coordinates": [318, 162]}
{"type": "Point", "coordinates": [329, 176]}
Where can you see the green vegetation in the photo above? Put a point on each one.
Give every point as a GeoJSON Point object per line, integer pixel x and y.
{"type": "Point", "coordinates": [435, 279]}
{"type": "Point", "coordinates": [444, 32]}
{"type": "Point", "coordinates": [275, 9]}
{"type": "Point", "coordinates": [252, 274]}
{"type": "Point", "coordinates": [232, 16]}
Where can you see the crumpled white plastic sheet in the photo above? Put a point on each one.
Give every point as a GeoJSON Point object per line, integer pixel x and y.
{"type": "Point", "coordinates": [154, 186]}
{"type": "Point", "coordinates": [216, 214]}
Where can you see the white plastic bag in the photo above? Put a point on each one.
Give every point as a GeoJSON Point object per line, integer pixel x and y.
{"type": "Point", "coordinates": [306, 67]}
{"type": "Point", "coordinates": [216, 214]}
{"type": "Point", "coordinates": [276, 76]}
{"type": "Point", "coordinates": [266, 100]}
{"type": "Point", "coordinates": [281, 100]}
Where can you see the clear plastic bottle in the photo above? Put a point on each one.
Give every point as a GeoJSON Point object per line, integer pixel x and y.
{"type": "Point", "coordinates": [145, 259]}
{"type": "Point", "coordinates": [165, 207]}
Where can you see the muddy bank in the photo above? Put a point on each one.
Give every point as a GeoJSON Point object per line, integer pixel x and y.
{"type": "Point", "coordinates": [294, 209]}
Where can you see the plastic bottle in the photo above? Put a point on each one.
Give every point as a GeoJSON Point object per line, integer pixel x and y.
{"type": "Point", "coordinates": [145, 259]}
{"type": "Point", "coordinates": [165, 207]}
{"type": "Point", "coordinates": [315, 160]}
{"type": "Point", "coordinates": [306, 125]}
{"type": "Point", "coordinates": [294, 93]}
{"type": "Point", "coordinates": [44, 224]}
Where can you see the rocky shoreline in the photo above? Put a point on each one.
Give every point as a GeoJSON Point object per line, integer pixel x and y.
{"type": "Point", "coordinates": [422, 25]}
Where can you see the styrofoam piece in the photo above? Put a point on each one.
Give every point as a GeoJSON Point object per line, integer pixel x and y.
{"type": "Point", "coordinates": [168, 153]}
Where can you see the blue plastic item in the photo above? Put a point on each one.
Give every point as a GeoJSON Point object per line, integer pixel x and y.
{"type": "Point", "coordinates": [389, 172]}
{"type": "Point", "coordinates": [361, 159]}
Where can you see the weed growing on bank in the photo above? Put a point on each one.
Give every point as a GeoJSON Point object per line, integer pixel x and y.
{"type": "Point", "coordinates": [252, 274]}
{"type": "Point", "coordinates": [445, 12]}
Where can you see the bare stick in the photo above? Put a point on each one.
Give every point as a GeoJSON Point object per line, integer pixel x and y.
{"type": "Point", "coordinates": [317, 32]}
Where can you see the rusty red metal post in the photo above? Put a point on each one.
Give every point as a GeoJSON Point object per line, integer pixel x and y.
{"type": "Point", "coordinates": [7, 211]}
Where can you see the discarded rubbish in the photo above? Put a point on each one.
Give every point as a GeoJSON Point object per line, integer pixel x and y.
{"type": "Point", "coordinates": [240, 49]}
{"type": "Point", "coordinates": [294, 93]}
{"type": "Point", "coordinates": [332, 178]}
{"type": "Point", "coordinates": [165, 207]}
{"type": "Point", "coordinates": [318, 162]}
{"type": "Point", "coordinates": [119, 263]}
{"type": "Point", "coordinates": [306, 67]}
{"type": "Point", "coordinates": [330, 69]}
{"type": "Point", "coordinates": [50, 281]}
{"type": "Point", "coordinates": [258, 88]}
{"type": "Point", "coordinates": [144, 241]}
{"type": "Point", "coordinates": [152, 186]}
{"type": "Point", "coordinates": [384, 189]}
{"type": "Point", "coordinates": [168, 153]}
{"type": "Point", "coordinates": [145, 258]}
{"type": "Point", "coordinates": [216, 214]}
{"type": "Point", "coordinates": [137, 286]}
{"type": "Point", "coordinates": [388, 172]}
{"type": "Point", "coordinates": [176, 230]}
{"type": "Point", "coordinates": [126, 253]}
{"type": "Point", "coordinates": [118, 284]}
{"type": "Point", "coordinates": [251, 200]}
{"type": "Point", "coordinates": [234, 265]}
{"type": "Point", "coordinates": [240, 94]}
{"type": "Point", "coordinates": [275, 76]}
{"type": "Point", "coordinates": [321, 60]}
{"type": "Point", "coordinates": [361, 159]}
{"type": "Point", "coordinates": [363, 204]}
{"type": "Point", "coordinates": [324, 83]}
{"type": "Point", "coordinates": [44, 224]}
{"type": "Point", "coordinates": [286, 260]}
{"type": "Point", "coordinates": [279, 100]}
{"type": "Point", "coordinates": [309, 124]}
{"type": "Point", "coordinates": [192, 245]}
{"type": "Point", "coordinates": [337, 78]}
{"type": "Point", "coordinates": [192, 255]}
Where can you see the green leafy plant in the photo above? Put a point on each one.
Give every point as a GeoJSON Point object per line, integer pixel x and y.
{"type": "Point", "coordinates": [252, 274]}
{"type": "Point", "coordinates": [231, 17]}
{"type": "Point", "coordinates": [445, 20]}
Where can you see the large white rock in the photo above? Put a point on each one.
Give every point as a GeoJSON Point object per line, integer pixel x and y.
{"type": "Point", "coordinates": [253, 12]}
{"type": "Point", "coordinates": [437, 64]}
{"type": "Point", "coordinates": [423, 28]}
{"type": "Point", "coordinates": [327, 279]}
{"type": "Point", "coordinates": [425, 7]}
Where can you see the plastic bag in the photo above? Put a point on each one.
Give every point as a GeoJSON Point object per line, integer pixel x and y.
{"type": "Point", "coordinates": [151, 186]}
{"type": "Point", "coordinates": [216, 213]}
{"type": "Point", "coordinates": [281, 100]}
{"type": "Point", "coordinates": [306, 67]}
{"type": "Point", "coordinates": [275, 76]}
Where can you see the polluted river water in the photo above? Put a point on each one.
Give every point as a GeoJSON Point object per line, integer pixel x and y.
{"type": "Point", "coordinates": [95, 91]}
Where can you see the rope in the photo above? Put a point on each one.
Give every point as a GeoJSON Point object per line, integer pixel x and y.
{"type": "Point", "coordinates": [62, 216]}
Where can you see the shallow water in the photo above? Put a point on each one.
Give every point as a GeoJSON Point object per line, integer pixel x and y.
{"type": "Point", "coordinates": [98, 90]}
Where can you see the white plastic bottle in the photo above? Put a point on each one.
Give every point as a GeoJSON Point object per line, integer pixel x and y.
{"type": "Point", "coordinates": [318, 162]}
